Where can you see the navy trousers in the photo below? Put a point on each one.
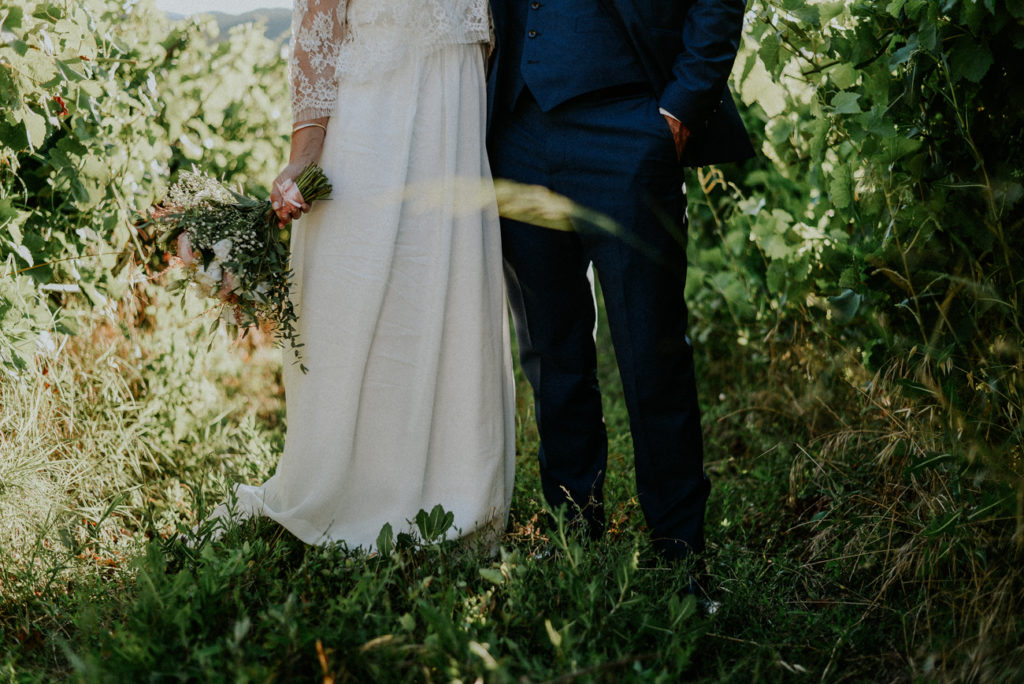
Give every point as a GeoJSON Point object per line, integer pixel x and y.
{"type": "Point", "coordinates": [612, 152]}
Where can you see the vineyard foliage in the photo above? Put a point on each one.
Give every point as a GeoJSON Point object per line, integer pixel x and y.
{"type": "Point", "coordinates": [874, 255]}
{"type": "Point", "coordinates": [886, 212]}
{"type": "Point", "coordinates": [101, 103]}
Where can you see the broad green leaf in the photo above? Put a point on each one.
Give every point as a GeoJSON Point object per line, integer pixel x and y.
{"type": "Point", "coordinates": [904, 53]}
{"type": "Point", "coordinates": [969, 59]}
{"type": "Point", "coordinates": [776, 247]}
{"type": "Point", "coordinates": [846, 103]}
{"type": "Point", "coordinates": [844, 306]}
{"type": "Point", "coordinates": [843, 75]}
{"type": "Point", "coordinates": [974, 16]}
{"type": "Point", "coordinates": [895, 6]}
{"type": "Point", "coordinates": [914, 7]}
{"type": "Point", "coordinates": [759, 88]}
{"type": "Point", "coordinates": [898, 146]}
{"type": "Point", "coordinates": [35, 126]}
{"type": "Point", "coordinates": [809, 15]}
{"type": "Point", "coordinates": [769, 51]}
{"type": "Point", "coordinates": [831, 10]}
{"type": "Point", "coordinates": [10, 18]}
{"type": "Point", "coordinates": [493, 575]}
{"type": "Point", "coordinates": [13, 135]}
{"type": "Point", "coordinates": [386, 540]}
{"type": "Point", "coordinates": [839, 187]}
{"type": "Point", "coordinates": [779, 130]}
{"type": "Point", "coordinates": [777, 277]}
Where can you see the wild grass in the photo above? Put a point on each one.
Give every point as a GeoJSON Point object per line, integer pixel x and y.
{"type": "Point", "coordinates": [829, 548]}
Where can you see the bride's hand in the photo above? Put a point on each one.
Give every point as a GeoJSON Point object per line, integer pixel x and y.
{"type": "Point", "coordinates": [285, 198]}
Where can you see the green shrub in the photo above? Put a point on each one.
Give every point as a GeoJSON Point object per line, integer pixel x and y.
{"type": "Point", "coordinates": [101, 102]}
{"type": "Point", "coordinates": [868, 267]}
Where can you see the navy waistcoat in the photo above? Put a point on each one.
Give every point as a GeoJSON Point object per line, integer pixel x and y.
{"type": "Point", "coordinates": [565, 48]}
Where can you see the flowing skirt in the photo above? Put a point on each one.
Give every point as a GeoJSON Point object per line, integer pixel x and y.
{"type": "Point", "coordinates": [408, 400]}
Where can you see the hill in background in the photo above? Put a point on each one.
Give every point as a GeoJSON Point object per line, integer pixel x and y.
{"type": "Point", "coordinates": [278, 21]}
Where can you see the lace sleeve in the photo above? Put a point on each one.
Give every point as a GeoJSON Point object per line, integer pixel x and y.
{"type": "Point", "coordinates": [318, 28]}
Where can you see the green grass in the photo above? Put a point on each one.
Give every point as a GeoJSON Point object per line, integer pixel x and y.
{"type": "Point", "coordinates": [119, 441]}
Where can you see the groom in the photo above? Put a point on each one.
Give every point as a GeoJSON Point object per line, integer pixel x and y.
{"type": "Point", "coordinates": [605, 102]}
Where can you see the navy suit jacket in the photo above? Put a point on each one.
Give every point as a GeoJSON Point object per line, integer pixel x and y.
{"type": "Point", "coordinates": [687, 49]}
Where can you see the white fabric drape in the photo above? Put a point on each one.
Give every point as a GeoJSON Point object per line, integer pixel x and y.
{"type": "Point", "coordinates": [398, 284]}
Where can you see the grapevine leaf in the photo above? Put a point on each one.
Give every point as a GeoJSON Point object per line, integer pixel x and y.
{"type": "Point", "coordinates": [13, 135]}
{"type": "Point", "coordinates": [839, 187]}
{"type": "Point", "coordinates": [35, 126]}
{"type": "Point", "coordinates": [831, 10]}
{"type": "Point", "coordinates": [895, 6]}
{"type": "Point", "coordinates": [846, 103]}
{"type": "Point", "coordinates": [969, 59]}
{"type": "Point", "coordinates": [769, 51]}
{"type": "Point", "coordinates": [10, 18]}
{"type": "Point", "coordinates": [844, 76]}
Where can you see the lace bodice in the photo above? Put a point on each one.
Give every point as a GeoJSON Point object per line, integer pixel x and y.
{"type": "Point", "coordinates": [359, 39]}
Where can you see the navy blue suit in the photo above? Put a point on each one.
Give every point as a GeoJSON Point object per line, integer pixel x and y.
{"type": "Point", "coordinates": [574, 92]}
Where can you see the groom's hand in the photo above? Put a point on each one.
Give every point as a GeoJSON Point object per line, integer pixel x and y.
{"type": "Point", "coordinates": [680, 134]}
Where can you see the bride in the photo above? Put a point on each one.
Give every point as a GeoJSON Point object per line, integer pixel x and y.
{"type": "Point", "coordinates": [408, 399]}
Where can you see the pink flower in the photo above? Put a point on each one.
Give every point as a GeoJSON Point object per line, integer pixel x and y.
{"type": "Point", "coordinates": [185, 252]}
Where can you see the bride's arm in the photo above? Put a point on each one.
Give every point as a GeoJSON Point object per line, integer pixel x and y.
{"type": "Point", "coordinates": [317, 32]}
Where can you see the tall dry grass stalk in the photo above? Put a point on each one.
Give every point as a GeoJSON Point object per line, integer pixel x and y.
{"type": "Point", "coordinates": [116, 422]}
{"type": "Point", "coordinates": [911, 524]}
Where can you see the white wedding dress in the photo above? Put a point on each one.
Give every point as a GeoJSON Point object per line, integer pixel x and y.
{"type": "Point", "coordinates": [408, 401]}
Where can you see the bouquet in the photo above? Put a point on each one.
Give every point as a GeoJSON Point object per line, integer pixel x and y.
{"type": "Point", "coordinates": [232, 248]}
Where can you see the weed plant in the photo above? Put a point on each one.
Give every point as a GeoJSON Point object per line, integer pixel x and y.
{"type": "Point", "coordinates": [815, 580]}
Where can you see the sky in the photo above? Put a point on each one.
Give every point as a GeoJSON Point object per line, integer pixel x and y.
{"type": "Point", "coordinates": [227, 6]}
